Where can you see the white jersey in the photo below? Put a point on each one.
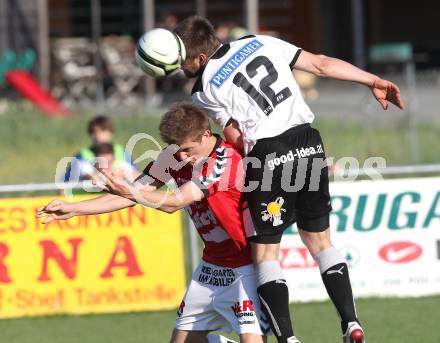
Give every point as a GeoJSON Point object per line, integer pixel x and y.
{"type": "Point", "coordinates": [250, 81]}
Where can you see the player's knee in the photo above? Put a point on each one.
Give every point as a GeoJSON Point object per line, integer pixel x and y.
{"type": "Point", "coordinates": [181, 336]}
{"type": "Point", "coordinates": [177, 336]}
{"type": "Point", "coordinates": [264, 252]}
{"type": "Point", "coordinates": [316, 241]}
{"type": "Point", "coordinates": [216, 338]}
{"type": "Point", "coordinates": [251, 338]}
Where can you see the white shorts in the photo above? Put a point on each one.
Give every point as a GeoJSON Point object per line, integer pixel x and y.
{"type": "Point", "coordinates": [220, 298]}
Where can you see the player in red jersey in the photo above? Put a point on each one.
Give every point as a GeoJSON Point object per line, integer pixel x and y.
{"type": "Point", "coordinates": [222, 294]}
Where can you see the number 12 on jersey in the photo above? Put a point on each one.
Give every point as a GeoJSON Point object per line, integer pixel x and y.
{"type": "Point", "coordinates": [272, 75]}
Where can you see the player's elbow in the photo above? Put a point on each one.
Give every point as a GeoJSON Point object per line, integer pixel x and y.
{"type": "Point", "coordinates": [171, 205]}
{"type": "Point", "coordinates": [321, 65]}
{"type": "Point", "coordinates": [169, 209]}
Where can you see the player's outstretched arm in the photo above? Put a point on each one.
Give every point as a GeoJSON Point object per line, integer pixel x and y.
{"type": "Point", "coordinates": [172, 202]}
{"type": "Point", "coordinates": [145, 195]}
{"type": "Point", "coordinates": [383, 90]}
{"type": "Point", "coordinates": [62, 210]}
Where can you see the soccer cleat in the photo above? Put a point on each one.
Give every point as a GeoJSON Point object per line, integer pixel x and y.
{"type": "Point", "coordinates": [354, 334]}
{"type": "Point", "coordinates": [293, 339]}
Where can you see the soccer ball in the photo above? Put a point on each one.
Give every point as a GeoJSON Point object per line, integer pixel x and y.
{"type": "Point", "coordinates": [160, 52]}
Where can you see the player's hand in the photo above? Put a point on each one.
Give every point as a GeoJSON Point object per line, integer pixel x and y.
{"type": "Point", "coordinates": [385, 91]}
{"type": "Point", "coordinates": [116, 185]}
{"type": "Point", "coordinates": [55, 210]}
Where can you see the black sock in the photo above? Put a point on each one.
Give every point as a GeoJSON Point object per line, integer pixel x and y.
{"type": "Point", "coordinates": [274, 296]}
{"type": "Point", "coordinates": [337, 283]}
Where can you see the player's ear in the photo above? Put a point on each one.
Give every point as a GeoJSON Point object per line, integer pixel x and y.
{"type": "Point", "coordinates": [207, 133]}
{"type": "Point", "coordinates": [203, 59]}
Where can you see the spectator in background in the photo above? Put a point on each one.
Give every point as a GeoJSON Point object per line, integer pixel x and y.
{"type": "Point", "coordinates": [167, 21]}
{"type": "Point", "coordinates": [223, 30]}
{"type": "Point", "coordinates": [230, 31]}
{"type": "Point", "coordinates": [105, 159]}
{"type": "Point", "coordinates": [100, 130]}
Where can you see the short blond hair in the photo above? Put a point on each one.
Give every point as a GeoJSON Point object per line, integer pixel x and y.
{"type": "Point", "coordinates": [182, 122]}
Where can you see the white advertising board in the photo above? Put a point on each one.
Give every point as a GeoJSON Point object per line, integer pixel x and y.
{"type": "Point", "coordinates": [389, 232]}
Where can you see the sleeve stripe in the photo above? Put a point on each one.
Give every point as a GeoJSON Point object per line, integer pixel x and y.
{"type": "Point", "coordinates": [219, 168]}
{"type": "Point", "coordinates": [295, 58]}
{"type": "Point", "coordinates": [246, 37]}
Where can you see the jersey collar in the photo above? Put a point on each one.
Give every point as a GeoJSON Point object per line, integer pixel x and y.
{"type": "Point", "coordinates": [217, 144]}
{"type": "Point", "coordinates": [224, 48]}
{"type": "Point", "coordinates": [221, 51]}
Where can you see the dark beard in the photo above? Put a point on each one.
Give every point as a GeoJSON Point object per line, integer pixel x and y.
{"type": "Point", "coordinates": [190, 74]}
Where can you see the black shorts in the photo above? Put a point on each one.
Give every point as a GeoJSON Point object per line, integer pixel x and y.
{"type": "Point", "coordinates": [293, 185]}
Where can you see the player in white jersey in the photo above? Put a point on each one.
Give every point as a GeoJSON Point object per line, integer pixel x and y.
{"type": "Point", "coordinates": [249, 90]}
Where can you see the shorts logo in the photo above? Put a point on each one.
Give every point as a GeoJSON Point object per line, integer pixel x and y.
{"type": "Point", "coordinates": [291, 155]}
{"type": "Point", "coordinates": [219, 277]}
{"type": "Point", "coordinates": [180, 310]}
{"type": "Point", "coordinates": [281, 160]}
{"type": "Point", "coordinates": [244, 312]}
{"type": "Point", "coordinates": [273, 211]}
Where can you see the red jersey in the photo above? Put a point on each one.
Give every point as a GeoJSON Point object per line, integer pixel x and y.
{"type": "Point", "coordinates": [218, 216]}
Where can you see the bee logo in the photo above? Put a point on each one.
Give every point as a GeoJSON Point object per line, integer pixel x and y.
{"type": "Point", "coordinates": [273, 211]}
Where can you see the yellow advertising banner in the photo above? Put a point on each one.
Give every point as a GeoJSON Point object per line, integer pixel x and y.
{"type": "Point", "coordinates": [130, 260]}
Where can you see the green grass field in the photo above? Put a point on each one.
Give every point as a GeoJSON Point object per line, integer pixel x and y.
{"type": "Point", "coordinates": [31, 144]}
{"type": "Point", "coordinates": [385, 320]}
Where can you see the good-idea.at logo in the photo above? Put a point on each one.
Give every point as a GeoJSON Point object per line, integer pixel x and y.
{"type": "Point", "coordinates": [400, 252]}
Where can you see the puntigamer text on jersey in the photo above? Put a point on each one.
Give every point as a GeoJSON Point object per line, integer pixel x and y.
{"type": "Point", "coordinates": [228, 68]}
